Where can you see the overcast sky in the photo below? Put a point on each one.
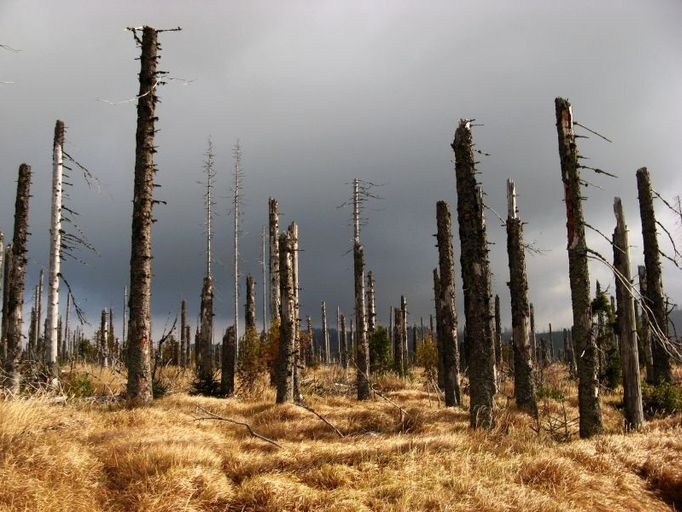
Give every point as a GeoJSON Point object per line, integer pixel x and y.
{"type": "Point", "coordinates": [319, 92]}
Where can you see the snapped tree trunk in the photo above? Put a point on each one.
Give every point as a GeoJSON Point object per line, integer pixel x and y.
{"type": "Point", "coordinates": [583, 337]}
{"type": "Point", "coordinates": [342, 343]}
{"type": "Point", "coordinates": [438, 334]}
{"type": "Point", "coordinates": [55, 253]}
{"type": "Point", "coordinates": [627, 327]}
{"type": "Point", "coordinates": [371, 304]}
{"type": "Point", "coordinates": [475, 280]}
{"type": "Point", "coordinates": [15, 297]}
{"type": "Point", "coordinates": [139, 388]}
{"type": "Point", "coordinates": [646, 334]}
{"type": "Point", "coordinates": [534, 349]}
{"type": "Point", "coordinates": [6, 273]}
{"type": "Point", "coordinates": [447, 306]}
{"type": "Point", "coordinates": [228, 359]}
{"type": "Point", "coordinates": [204, 339]}
{"type": "Point", "coordinates": [362, 343]}
{"type": "Point", "coordinates": [273, 216]}
{"type": "Point", "coordinates": [524, 386]}
{"type": "Point", "coordinates": [498, 335]}
{"type": "Point", "coordinates": [655, 300]}
{"type": "Point", "coordinates": [293, 242]}
{"type": "Point", "coordinates": [183, 334]}
{"type": "Point", "coordinates": [250, 309]}
{"type": "Point", "coordinates": [286, 355]}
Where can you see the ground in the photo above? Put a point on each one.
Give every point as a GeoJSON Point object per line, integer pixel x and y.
{"type": "Point", "coordinates": [60, 452]}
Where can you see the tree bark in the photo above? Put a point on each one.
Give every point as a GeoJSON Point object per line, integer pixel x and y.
{"type": "Point", "coordinates": [362, 343]}
{"type": "Point", "coordinates": [627, 327]}
{"type": "Point", "coordinates": [227, 363]}
{"type": "Point", "coordinates": [498, 335]}
{"type": "Point", "coordinates": [646, 334]}
{"type": "Point", "coordinates": [325, 334]}
{"type": "Point", "coordinates": [438, 334]}
{"type": "Point", "coordinates": [293, 242]}
{"type": "Point", "coordinates": [273, 216]}
{"type": "Point", "coordinates": [15, 298]}
{"type": "Point", "coordinates": [204, 339]}
{"type": "Point", "coordinates": [286, 360]}
{"type": "Point", "coordinates": [583, 337]}
{"type": "Point", "coordinates": [6, 273]}
{"type": "Point", "coordinates": [655, 300]}
{"type": "Point", "coordinates": [183, 334]}
{"type": "Point", "coordinates": [398, 353]}
{"type": "Point", "coordinates": [524, 386]}
{"type": "Point", "coordinates": [476, 280]}
{"type": "Point", "coordinates": [103, 352]}
{"type": "Point", "coordinates": [371, 304]}
{"type": "Point", "coordinates": [447, 306]}
{"type": "Point", "coordinates": [342, 343]}
{"type": "Point", "coordinates": [139, 388]}
{"type": "Point", "coordinates": [250, 309]}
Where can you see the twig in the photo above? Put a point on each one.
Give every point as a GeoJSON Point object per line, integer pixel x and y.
{"type": "Point", "coordinates": [310, 409]}
{"type": "Point", "coordinates": [213, 416]}
{"type": "Point", "coordinates": [592, 131]}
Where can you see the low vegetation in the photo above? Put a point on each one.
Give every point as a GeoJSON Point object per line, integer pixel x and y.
{"type": "Point", "coordinates": [82, 450]}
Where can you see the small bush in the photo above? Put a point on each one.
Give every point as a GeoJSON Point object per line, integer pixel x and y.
{"type": "Point", "coordinates": [661, 400]}
{"type": "Point", "coordinates": [427, 355]}
{"type": "Point", "coordinates": [79, 385]}
{"type": "Point", "coordinates": [379, 351]}
{"type": "Point", "coordinates": [553, 393]}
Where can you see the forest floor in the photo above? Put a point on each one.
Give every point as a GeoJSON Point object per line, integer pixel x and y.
{"type": "Point", "coordinates": [59, 452]}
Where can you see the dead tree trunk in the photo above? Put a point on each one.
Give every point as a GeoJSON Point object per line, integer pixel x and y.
{"type": "Point", "coordinates": [227, 363]}
{"type": "Point", "coordinates": [439, 335]}
{"type": "Point", "coordinates": [343, 347]}
{"type": "Point", "coordinates": [627, 327]}
{"type": "Point", "coordinates": [655, 300]}
{"type": "Point", "coordinates": [399, 355]}
{"type": "Point", "coordinates": [646, 334]}
{"type": "Point", "coordinates": [583, 337]}
{"type": "Point", "coordinates": [15, 297]}
{"type": "Point", "coordinates": [524, 386]}
{"type": "Point", "coordinates": [447, 306]}
{"type": "Point", "coordinates": [273, 215]}
{"type": "Point", "coordinates": [67, 352]}
{"type": "Point", "coordinates": [40, 342]}
{"type": "Point", "coordinates": [534, 349]}
{"type": "Point", "coordinates": [7, 272]}
{"type": "Point", "coordinates": [286, 360]}
{"type": "Point", "coordinates": [371, 304]}
{"type": "Point", "coordinates": [498, 336]}
{"type": "Point", "coordinates": [325, 334]}
{"type": "Point", "coordinates": [264, 306]}
{"type": "Point", "coordinates": [362, 350]}
{"type": "Point", "coordinates": [103, 354]}
{"type": "Point", "coordinates": [236, 205]}
{"type": "Point", "coordinates": [403, 330]}
{"type": "Point", "coordinates": [204, 340]}
{"type": "Point", "coordinates": [139, 388]}
{"type": "Point", "coordinates": [250, 309]}
{"type": "Point", "coordinates": [293, 242]}
{"type": "Point", "coordinates": [55, 253]}
{"type": "Point", "coordinates": [476, 280]}
{"type": "Point", "coordinates": [183, 334]}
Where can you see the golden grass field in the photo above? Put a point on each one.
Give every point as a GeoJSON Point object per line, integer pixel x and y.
{"type": "Point", "coordinates": [89, 455]}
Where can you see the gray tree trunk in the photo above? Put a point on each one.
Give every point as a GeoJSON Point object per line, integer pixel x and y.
{"type": "Point", "coordinates": [293, 242]}
{"type": "Point", "coordinates": [627, 327]}
{"type": "Point", "coordinates": [286, 355]}
{"type": "Point", "coordinates": [534, 349]}
{"type": "Point", "coordinates": [447, 306]}
{"type": "Point", "coordinates": [475, 280]}
{"type": "Point", "coordinates": [103, 349]}
{"type": "Point", "coordinates": [6, 280]}
{"type": "Point", "coordinates": [15, 298]}
{"type": "Point", "coordinates": [204, 339]}
{"type": "Point", "coordinates": [583, 337]}
{"type": "Point", "coordinates": [183, 334]}
{"type": "Point", "coordinates": [273, 216]}
{"type": "Point", "coordinates": [398, 353]}
{"type": "Point", "coordinates": [342, 343]}
{"type": "Point", "coordinates": [524, 386]}
{"type": "Point", "coordinates": [655, 300]}
{"type": "Point", "coordinates": [228, 359]}
{"type": "Point", "coordinates": [325, 334]}
{"type": "Point", "coordinates": [403, 330]}
{"type": "Point", "coordinates": [646, 334]}
{"type": "Point", "coordinates": [498, 335]}
{"type": "Point", "coordinates": [439, 335]}
{"type": "Point", "coordinates": [371, 304]}
{"type": "Point", "coordinates": [139, 387]}
{"type": "Point", "coordinates": [250, 309]}
{"type": "Point", "coordinates": [362, 343]}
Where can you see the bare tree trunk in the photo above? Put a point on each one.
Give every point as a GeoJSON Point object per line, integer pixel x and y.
{"type": "Point", "coordinates": [6, 280]}
{"type": "Point", "coordinates": [228, 359]}
{"type": "Point", "coordinates": [646, 333]}
{"type": "Point", "coordinates": [204, 340]}
{"type": "Point", "coordinates": [325, 334]}
{"type": "Point", "coordinates": [447, 306]}
{"type": "Point", "coordinates": [264, 279]}
{"type": "Point", "coordinates": [139, 388]}
{"type": "Point", "coordinates": [183, 335]}
{"type": "Point", "coordinates": [534, 349]}
{"type": "Point", "coordinates": [439, 335]}
{"type": "Point", "coordinates": [398, 353]}
{"type": "Point", "coordinates": [476, 280]}
{"type": "Point", "coordinates": [40, 341]}
{"type": "Point", "coordinates": [403, 330]}
{"type": "Point", "coordinates": [390, 332]}
{"type": "Point", "coordinates": [286, 356]}
{"type": "Point", "coordinates": [275, 302]}
{"type": "Point", "coordinates": [371, 304]}
{"type": "Point", "coordinates": [15, 297]}
{"type": "Point", "coordinates": [236, 204]}
{"type": "Point", "coordinates": [188, 346]}
{"type": "Point", "coordinates": [498, 335]}
{"type": "Point", "coordinates": [583, 337]}
{"type": "Point", "coordinates": [655, 301]}
{"type": "Point", "coordinates": [111, 338]}
{"type": "Point", "coordinates": [67, 351]}
{"type": "Point", "coordinates": [524, 386]}
{"type": "Point", "coordinates": [293, 242]}
{"type": "Point", "coordinates": [342, 343]}
{"type": "Point", "coordinates": [250, 310]}
{"type": "Point", "coordinates": [362, 349]}
{"type": "Point", "coordinates": [102, 339]}
{"type": "Point", "coordinates": [627, 327]}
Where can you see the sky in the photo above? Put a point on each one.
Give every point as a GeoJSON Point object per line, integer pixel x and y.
{"type": "Point", "coordinates": [320, 92]}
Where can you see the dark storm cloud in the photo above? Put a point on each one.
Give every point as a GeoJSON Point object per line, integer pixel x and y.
{"type": "Point", "coordinates": [320, 92]}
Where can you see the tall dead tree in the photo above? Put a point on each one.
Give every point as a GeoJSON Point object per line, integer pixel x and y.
{"type": "Point", "coordinates": [343, 347]}
{"type": "Point", "coordinates": [139, 387]}
{"type": "Point", "coordinates": [325, 334]}
{"type": "Point", "coordinates": [102, 339]}
{"type": "Point", "coordinates": [183, 334]}
{"type": "Point", "coordinates": [498, 335]}
{"type": "Point", "coordinates": [438, 335]}
{"type": "Point", "coordinates": [398, 353]}
{"type": "Point", "coordinates": [293, 242]}
{"type": "Point", "coordinates": [204, 338]}
{"type": "Point", "coordinates": [250, 308]}
{"type": "Point", "coordinates": [264, 280]}
{"type": "Point", "coordinates": [447, 306]}
{"type": "Point", "coordinates": [371, 304]}
{"type": "Point", "coordinates": [646, 334]}
{"type": "Point", "coordinates": [55, 252]}
{"type": "Point", "coordinates": [15, 283]}
{"type": "Point", "coordinates": [524, 385]}
{"type": "Point", "coordinates": [627, 327]}
{"type": "Point", "coordinates": [286, 355]}
{"type": "Point", "coordinates": [403, 330]}
{"type": "Point", "coordinates": [40, 346]}
{"type": "Point", "coordinates": [362, 343]}
{"type": "Point", "coordinates": [238, 177]}
{"type": "Point", "coordinates": [583, 336]}
{"type": "Point", "coordinates": [654, 300]}
{"type": "Point", "coordinates": [273, 216]}
{"type": "Point", "coordinates": [475, 279]}
{"type": "Point", "coordinates": [6, 276]}
{"type": "Point", "coordinates": [534, 349]}
{"type": "Point", "coordinates": [228, 357]}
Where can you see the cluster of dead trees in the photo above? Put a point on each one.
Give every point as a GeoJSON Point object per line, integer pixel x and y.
{"type": "Point", "coordinates": [638, 317]}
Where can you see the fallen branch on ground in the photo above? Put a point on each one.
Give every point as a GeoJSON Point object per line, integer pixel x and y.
{"type": "Point", "coordinates": [213, 416]}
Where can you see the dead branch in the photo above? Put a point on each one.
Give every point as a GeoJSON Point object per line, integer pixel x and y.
{"type": "Point", "coordinates": [213, 416]}
{"type": "Point", "coordinates": [576, 123]}
{"type": "Point", "coordinates": [310, 409]}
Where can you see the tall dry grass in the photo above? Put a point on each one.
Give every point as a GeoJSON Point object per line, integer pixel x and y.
{"type": "Point", "coordinates": [90, 455]}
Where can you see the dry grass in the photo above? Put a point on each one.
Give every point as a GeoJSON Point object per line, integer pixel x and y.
{"type": "Point", "coordinates": [85, 455]}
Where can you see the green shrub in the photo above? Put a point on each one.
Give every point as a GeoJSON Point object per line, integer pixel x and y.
{"type": "Point", "coordinates": [427, 355]}
{"type": "Point", "coordinates": [547, 392]}
{"type": "Point", "coordinates": [379, 351]}
{"type": "Point", "coordinates": [79, 385]}
{"type": "Point", "coordinates": [661, 400]}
